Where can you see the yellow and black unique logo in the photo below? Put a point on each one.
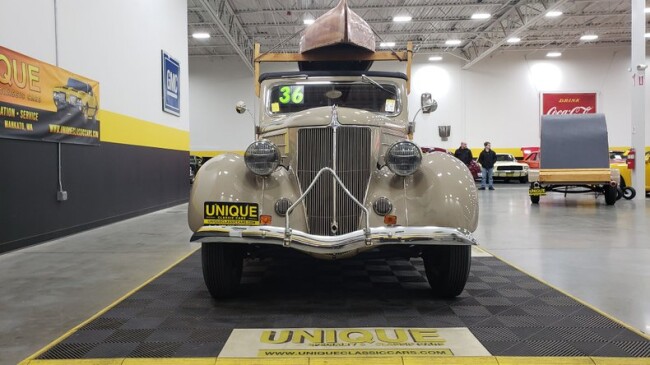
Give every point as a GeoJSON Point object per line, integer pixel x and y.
{"type": "Point", "coordinates": [231, 214]}
{"type": "Point", "coordinates": [537, 191]}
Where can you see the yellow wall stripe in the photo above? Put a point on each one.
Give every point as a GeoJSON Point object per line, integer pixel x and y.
{"type": "Point", "coordinates": [119, 128]}
{"type": "Point", "coordinates": [406, 360]}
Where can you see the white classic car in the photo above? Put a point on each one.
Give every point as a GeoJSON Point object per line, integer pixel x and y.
{"type": "Point", "coordinates": [508, 168]}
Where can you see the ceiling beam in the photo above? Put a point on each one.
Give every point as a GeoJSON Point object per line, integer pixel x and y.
{"type": "Point", "coordinates": [225, 19]}
{"type": "Point", "coordinates": [510, 24]}
{"type": "Point", "coordinates": [380, 7]}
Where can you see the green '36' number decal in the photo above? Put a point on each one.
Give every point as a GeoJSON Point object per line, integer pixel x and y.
{"type": "Point", "coordinates": [291, 94]}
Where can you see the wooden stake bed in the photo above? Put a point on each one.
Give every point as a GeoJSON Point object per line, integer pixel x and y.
{"type": "Point", "coordinates": [582, 176]}
{"type": "Point", "coordinates": [258, 58]}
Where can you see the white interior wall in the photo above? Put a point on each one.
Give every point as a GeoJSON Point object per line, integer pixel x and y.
{"type": "Point", "coordinates": [115, 42]}
{"type": "Point", "coordinates": [497, 100]}
{"type": "Point", "coordinates": [35, 37]}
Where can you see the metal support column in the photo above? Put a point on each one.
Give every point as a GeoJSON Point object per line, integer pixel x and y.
{"type": "Point", "coordinates": [638, 66]}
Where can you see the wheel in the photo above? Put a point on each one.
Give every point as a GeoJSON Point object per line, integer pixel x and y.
{"type": "Point", "coordinates": [222, 267]}
{"type": "Point", "coordinates": [610, 194]}
{"type": "Point", "coordinates": [447, 269]}
{"type": "Point", "coordinates": [629, 193]}
{"type": "Point", "coordinates": [534, 199]}
{"type": "Point", "coordinates": [523, 180]}
{"type": "Point", "coordinates": [619, 193]}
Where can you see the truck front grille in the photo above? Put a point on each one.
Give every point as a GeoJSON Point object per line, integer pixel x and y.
{"type": "Point", "coordinates": [509, 168]}
{"type": "Point", "coordinates": [325, 207]}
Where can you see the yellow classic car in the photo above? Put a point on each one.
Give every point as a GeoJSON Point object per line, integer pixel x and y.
{"type": "Point", "coordinates": [618, 161]}
{"type": "Point", "coordinates": [77, 94]}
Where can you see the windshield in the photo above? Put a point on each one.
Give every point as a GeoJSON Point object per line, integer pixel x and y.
{"type": "Point", "coordinates": [291, 98]}
{"type": "Point", "coordinates": [508, 158]}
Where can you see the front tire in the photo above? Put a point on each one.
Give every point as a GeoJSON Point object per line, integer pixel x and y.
{"type": "Point", "coordinates": [629, 193]}
{"type": "Point", "coordinates": [447, 269]}
{"type": "Point", "coordinates": [222, 268]}
{"type": "Point", "coordinates": [611, 194]}
{"type": "Point", "coordinates": [534, 199]}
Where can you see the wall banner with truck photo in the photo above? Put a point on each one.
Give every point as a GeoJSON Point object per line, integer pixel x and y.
{"type": "Point", "coordinates": [42, 102]}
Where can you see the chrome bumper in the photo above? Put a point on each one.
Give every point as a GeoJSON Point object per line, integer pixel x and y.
{"type": "Point", "coordinates": [337, 245]}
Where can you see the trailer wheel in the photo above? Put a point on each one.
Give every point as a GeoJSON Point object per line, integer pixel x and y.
{"type": "Point", "coordinates": [629, 192]}
{"type": "Point", "coordinates": [611, 193]}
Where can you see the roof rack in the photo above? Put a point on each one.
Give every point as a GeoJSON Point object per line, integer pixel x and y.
{"type": "Point", "coordinates": [258, 58]}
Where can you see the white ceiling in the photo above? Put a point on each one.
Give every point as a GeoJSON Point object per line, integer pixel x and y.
{"type": "Point", "coordinates": [235, 25]}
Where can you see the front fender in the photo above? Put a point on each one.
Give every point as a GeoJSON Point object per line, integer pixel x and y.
{"type": "Point", "coordinates": [441, 193]}
{"type": "Point", "coordinates": [226, 178]}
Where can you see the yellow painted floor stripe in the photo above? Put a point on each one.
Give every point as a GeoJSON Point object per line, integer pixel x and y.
{"type": "Point", "coordinates": [96, 315]}
{"type": "Point", "coordinates": [602, 313]}
{"type": "Point", "coordinates": [483, 360]}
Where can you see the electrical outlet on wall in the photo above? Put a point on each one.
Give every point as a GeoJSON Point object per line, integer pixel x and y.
{"type": "Point", "coordinates": [61, 196]}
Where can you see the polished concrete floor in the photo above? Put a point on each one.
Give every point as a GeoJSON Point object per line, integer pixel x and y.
{"type": "Point", "coordinates": [597, 253]}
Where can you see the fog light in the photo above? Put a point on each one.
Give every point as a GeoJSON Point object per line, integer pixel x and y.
{"type": "Point", "coordinates": [281, 206]}
{"type": "Point", "coordinates": [265, 220]}
{"type": "Point", "coordinates": [390, 220]}
{"type": "Point", "coordinates": [382, 206]}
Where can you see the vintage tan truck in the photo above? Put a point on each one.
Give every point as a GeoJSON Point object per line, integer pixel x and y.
{"type": "Point", "coordinates": [332, 171]}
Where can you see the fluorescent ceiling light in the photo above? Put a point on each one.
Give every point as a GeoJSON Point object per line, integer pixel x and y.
{"type": "Point", "coordinates": [308, 21]}
{"type": "Point", "coordinates": [435, 58]}
{"type": "Point", "coordinates": [387, 44]}
{"type": "Point", "coordinates": [453, 42]}
{"type": "Point", "coordinates": [647, 35]}
{"type": "Point", "coordinates": [553, 13]}
{"type": "Point", "coordinates": [478, 16]}
{"type": "Point", "coordinates": [404, 18]}
{"type": "Point", "coordinates": [646, 10]}
{"type": "Point", "coordinates": [589, 37]}
{"type": "Point", "coordinates": [553, 54]}
{"type": "Point", "coordinates": [513, 40]}
{"type": "Point", "coordinates": [201, 35]}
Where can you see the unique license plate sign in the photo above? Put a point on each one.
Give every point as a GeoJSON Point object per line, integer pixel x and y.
{"type": "Point", "coordinates": [231, 214]}
{"type": "Point", "coordinates": [537, 192]}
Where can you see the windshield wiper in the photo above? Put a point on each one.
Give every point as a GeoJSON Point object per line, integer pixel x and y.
{"type": "Point", "coordinates": [368, 80]}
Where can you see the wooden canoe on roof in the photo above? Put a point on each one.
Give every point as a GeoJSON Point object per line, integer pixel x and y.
{"type": "Point", "coordinates": [338, 27]}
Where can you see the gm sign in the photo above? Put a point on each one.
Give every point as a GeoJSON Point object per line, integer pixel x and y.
{"type": "Point", "coordinates": [171, 84]}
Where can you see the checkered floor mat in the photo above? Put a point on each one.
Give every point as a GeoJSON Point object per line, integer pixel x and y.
{"type": "Point", "coordinates": [511, 313]}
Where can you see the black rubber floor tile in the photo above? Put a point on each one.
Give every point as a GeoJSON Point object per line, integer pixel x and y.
{"type": "Point", "coordinates": [110, 350]}
{"type": "Point", "coordinates": [203, 349]}
{"type": "Point", "coordinates": [88, 336]}
{"type": "Point", "coordinates": [512, 314]}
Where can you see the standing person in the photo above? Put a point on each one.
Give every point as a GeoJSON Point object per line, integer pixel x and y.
{"type": "Point", "coordinates": [464, 154]}
{"type": "Point", "coordinates": [487, 158]}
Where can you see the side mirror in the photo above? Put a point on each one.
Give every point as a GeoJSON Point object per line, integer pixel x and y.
{"type": "Point", "coordinates": [240, 107]}
{"type": "Point", "coordinates": [427, 103]}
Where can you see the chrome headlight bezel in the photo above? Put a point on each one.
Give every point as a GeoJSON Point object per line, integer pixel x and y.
{"type": "Point", "coordinates": [403, 158]}
{"type": "Point", "coordinates": [262, 157]}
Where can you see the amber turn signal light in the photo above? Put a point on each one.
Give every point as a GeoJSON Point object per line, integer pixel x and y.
{"type": "Point", "coordinates": [265, 220]}
{"type": "Point", "coordinates": [390, 220]}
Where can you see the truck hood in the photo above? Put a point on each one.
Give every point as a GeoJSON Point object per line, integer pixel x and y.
{"type": "Point", "coordinates": [323, 116]}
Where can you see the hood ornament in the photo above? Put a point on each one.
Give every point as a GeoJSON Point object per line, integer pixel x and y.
{"type": "Point", "coordinates": [334, 122]}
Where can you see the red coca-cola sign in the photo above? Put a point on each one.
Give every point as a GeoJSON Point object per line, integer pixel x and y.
{"type": "Point", "coordinates": [569, 103]}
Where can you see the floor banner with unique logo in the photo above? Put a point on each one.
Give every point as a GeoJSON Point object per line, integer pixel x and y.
{"type": "Point", "coordinates": [42, 102]}
{"type": "Point", "coordinates": [352, 342]}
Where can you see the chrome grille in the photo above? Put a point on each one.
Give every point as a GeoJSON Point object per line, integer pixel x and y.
{"type": "Point", "coordinates": [315, 151]}
{"type": "Point", "coordinates": [509, 168]}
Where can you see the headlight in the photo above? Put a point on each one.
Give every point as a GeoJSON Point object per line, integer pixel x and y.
{"type": "Point", "coordinates": [403, 158]}
{"type": "Point", "coordinates": [262, 157]}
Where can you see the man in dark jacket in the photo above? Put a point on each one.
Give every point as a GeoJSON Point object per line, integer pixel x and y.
{"type": "Point", "coordinates": [464, 154]}
{"type": "Point", "coordinates": [487, 158]}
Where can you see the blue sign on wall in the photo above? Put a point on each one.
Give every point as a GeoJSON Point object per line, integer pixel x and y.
{"type": "Point", "coordinates": [171, 84]}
